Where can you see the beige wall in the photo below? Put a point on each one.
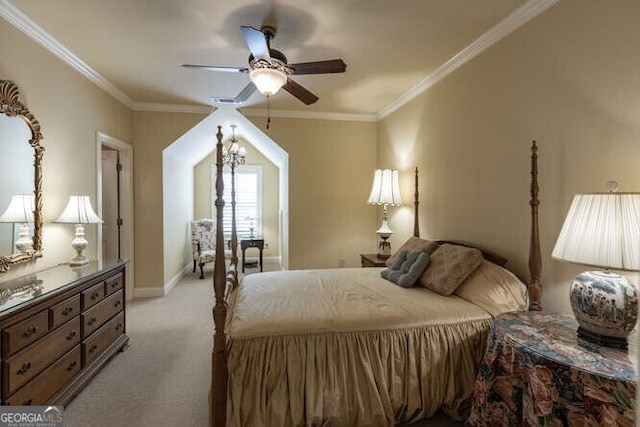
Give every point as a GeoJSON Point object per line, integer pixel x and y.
{"type": "Point", "coordinates": [70, 110]}
{"type": "Point", "coordinates": [569, 79]}
{"type": "Point", "coordinates": [203, 179]}
{"type": "Point", "coordinates": [153, 132]}
{"type": "Point", "coordinates": [331, 166]}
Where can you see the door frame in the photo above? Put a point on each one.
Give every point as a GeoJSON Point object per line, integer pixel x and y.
{"type": "Point", "coordinates": [126, 201]}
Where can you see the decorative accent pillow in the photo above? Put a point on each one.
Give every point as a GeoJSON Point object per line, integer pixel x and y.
{"type": "Point", "coordinates": [450, 266]}
{"type": "Point", "coordinates": [414, 244]}
{"type": "Point", "coordinates": [407, 268]}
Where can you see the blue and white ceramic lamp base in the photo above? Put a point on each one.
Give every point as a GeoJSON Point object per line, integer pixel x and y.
{"type": "Point", "coordinates": [605, 305]}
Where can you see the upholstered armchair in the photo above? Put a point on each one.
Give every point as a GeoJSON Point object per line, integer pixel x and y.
{"type": "Point", "coordinates": [203, 243]}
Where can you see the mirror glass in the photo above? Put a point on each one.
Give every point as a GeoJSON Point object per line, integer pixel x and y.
{"type": "Point", "coordinates": [16, 174]}
{"type": "Point", "coordinates": [20, 180]}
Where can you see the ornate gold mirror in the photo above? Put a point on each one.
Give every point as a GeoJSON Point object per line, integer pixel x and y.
{"type": "Point", "coordinates": [20, 180]}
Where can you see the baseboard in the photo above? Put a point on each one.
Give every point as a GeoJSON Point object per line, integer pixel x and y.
{"type": "Point", "coordinates": [154, 292]}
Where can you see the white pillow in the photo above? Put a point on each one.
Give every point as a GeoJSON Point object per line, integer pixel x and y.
{"type": "Point", "coordinates": [495, 289]}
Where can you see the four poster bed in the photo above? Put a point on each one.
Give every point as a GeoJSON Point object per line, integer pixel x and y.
{"type": "Point", "coordinates": [346, 347]}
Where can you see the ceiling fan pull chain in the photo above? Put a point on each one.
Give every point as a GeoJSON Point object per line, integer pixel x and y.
{"type": "Point", "coordinates": [268, 112]}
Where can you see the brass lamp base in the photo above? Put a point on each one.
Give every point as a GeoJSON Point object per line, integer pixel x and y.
{"type": "Point", "coordinates": [384, 249]}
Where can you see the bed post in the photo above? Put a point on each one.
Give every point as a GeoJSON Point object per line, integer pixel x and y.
{"type": "Point", "coordinates": [416, 202]}
{"type": "Point", "coordinates": [218, 415]}
{"type": "Point", "coordinates": [535, 259]}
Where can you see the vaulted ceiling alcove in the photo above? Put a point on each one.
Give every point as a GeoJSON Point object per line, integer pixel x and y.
{"type": "Point", "coordinates": [178, 161]}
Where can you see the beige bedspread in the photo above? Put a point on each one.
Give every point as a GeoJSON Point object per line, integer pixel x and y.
{"type": "Point", "coordinates": [348, 348]}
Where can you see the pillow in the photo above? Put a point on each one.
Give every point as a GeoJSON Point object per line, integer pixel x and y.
{"type": "Point", "coordinates": [495, 289]}
{"type": "Point", "coordinates": [414, 244]}
{"type": "Point", "coordinates": [450, 266]}
{"type": "Point", "coordinates": [410, 266]}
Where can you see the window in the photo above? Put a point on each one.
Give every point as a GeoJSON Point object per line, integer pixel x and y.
{"type": "Point", "coordinates": [248, 200]}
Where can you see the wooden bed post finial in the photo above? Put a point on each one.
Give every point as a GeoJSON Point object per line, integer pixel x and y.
{"type": "Point", "coordinates": [535, 259]}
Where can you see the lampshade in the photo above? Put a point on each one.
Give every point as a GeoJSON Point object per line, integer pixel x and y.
{"type": "Point", "coordinates": [20, 209]}
{"type": "Point", "coordinates": [268, 80]}
{"type": "Point", "coordinates": [385, 189]}
{"type": "Point", "coordinates": [79, 211]}
{"type": "Point", "coordinates": [602, 230]}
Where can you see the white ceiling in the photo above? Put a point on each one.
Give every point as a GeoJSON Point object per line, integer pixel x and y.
{"type": "Point", "coordinates": [389, 47]}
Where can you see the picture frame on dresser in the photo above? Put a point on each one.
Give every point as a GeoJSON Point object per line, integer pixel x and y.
{"type": "Point", "coordinates": [56, 338]}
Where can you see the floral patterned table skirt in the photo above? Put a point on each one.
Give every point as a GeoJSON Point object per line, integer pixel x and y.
{"type": "Point", "coordinates": [537, 372]}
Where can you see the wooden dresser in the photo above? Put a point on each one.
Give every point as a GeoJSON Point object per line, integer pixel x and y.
{"type": "Point", "coordinates": [58, 327]}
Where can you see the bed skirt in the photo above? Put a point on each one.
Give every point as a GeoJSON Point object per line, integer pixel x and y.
{"type": "Point", "coordinates": [370, 378]}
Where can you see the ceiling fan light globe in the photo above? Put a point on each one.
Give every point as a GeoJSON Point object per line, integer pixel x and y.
{"type": "Point", "coordinates": [267, 80]}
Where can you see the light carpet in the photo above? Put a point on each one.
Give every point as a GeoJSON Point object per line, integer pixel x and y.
{"type": "Point", "coordinates": [163, 378]}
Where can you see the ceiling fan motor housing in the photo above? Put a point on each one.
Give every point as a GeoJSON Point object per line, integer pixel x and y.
{"type": "Point", "coordinates": [277, 61]}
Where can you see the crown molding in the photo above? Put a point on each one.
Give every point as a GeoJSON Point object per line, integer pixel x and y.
{"type": "Point", "coordinates": [171, 108]}
{"type": "Point", "coordinates": [515, 20]}
{"type": "Point", "coordinates": [319, 115]}
{"type": "Point", "coordinates": [25, 24]}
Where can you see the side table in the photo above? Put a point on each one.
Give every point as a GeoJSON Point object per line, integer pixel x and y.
{"type": "Point", "coordinates": [251, 242]}
{"type": "Point", "coordinates": [372, 260]}
{"type": "Point", "coordinates": [537, 371]}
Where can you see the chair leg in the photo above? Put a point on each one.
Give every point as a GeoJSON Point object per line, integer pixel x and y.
{"type": "Point", "coordinates": [194, 266]}
{"type": "Point", "coordinates": [202, 270]}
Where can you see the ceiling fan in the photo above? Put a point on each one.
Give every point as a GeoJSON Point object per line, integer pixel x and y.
{"type": "Point", "coordinates": [268, 68]}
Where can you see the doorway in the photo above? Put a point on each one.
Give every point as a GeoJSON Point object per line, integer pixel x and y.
{"type": "Point", "coordinates": [115, 203]}
{"type": "Point", "coordinates": [112, 221]}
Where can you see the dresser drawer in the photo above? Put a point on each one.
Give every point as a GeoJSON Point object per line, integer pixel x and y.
{"type": "Point", "coordinates": [95, 317]}
{"type": "Point", "coordinates": [92, 296]}
{"type": "Point", "coordinates": [113, 284]}
{"type": "Point", "coordinates": [42, 387]}
{"type": "Point", "coordinates": [102, 338]}
{"type": "Point", "coordinates": [23, 366]}
{"type": "Point", "coordinates": [24, 333]}
{"type": "Point", "coordinates": [65, 311]}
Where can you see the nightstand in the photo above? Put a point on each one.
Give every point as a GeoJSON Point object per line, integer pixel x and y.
{"type": "Point", "coordinates": [537, 371]}
{"type": "Point", "coordinates": [251, 242]}
{"type": "Point", "coordinates": [372, 260]}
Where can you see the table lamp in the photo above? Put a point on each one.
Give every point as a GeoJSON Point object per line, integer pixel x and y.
{"type": "Point", "coordinates": [603, 230]}
{"type": "Point", "coordinates": [79, 212]}
{"type": "Point", "coordinates": [385, 191]}
{"type": "Point", "coordinates": [20, 211]}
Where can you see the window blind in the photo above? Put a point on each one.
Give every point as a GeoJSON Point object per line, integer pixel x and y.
{"type": "Point", "coordinates": [248, 200]}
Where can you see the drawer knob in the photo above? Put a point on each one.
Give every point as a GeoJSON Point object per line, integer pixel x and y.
{"type": "Point", "coordinates": [91, 321]}
{"type": "Point", "coordinates": [27, 402]}
{"type": "Point", "coordinates": [118, 326]}
{"type": "Point", "coordinates": [24, 368]}
{"type": "Point", "coordinates": [95, 295]}
{"type": "Point", "coordinates": [71, 335]}
{"type": "Point", "coordinates": [72, 365]}
{"type": "Point", "coordinates": [93, 348]}
{"type": "Point", "coordinates": [67, 311]}
{"type": "Point", "coordinates": [30, 331]}
{"type": "Point", "coordinates": [117, 303]}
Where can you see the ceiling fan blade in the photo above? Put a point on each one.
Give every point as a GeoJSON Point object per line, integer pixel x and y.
{"type": "Point", "coordinates": [243, 70]}
{"type": "Point", "coordinates": [319, 67]}
{"type": "Point", "coordinates": [245, 93]}
{"type": "Point", "coordinates": [256, 41]}
{"type": "Point", "coordinates": [299, 92]}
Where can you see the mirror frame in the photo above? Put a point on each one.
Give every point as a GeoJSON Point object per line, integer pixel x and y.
{"type": "Point", "coordinates": [10, 106]}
